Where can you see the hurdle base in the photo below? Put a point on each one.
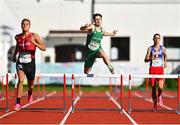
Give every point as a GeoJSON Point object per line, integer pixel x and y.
{"type": "Point", "coordinates": [36, 109]}
{"type": "Point", "coordinates": [151, 110]}
{"type": "Point", "coordinates": [97, 109]}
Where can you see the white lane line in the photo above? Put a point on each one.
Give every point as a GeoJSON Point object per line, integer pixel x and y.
{"type": "Point", "coordinates": [117, 104]}
{"type": "Point", "coordinates": [70, 109]}
{"type": "Point", "coordinates": [150, 100]}
{"type": "Point", "coordinates": [37, 100]}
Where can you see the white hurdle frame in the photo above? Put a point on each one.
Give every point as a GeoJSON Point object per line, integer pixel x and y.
{"type": "Point", "coordinates": [154, 76]}
{"type": "Point", "coordinates": [7, 75]}
{"type": "Point", "coordinates": [73, 76]}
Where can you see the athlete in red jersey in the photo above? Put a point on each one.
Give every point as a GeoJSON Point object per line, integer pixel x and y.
{"type": "Point", "coordinates": [156, 55]}
{"type": "Point", "coordinates": [25, 63]}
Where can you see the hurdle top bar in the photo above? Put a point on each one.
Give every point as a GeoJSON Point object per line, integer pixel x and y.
{"type": "Point", "coordinates": [174, 76]}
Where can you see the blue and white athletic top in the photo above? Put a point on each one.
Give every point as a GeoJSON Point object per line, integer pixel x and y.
{"type": "Point", "coordinates": [158, 61]}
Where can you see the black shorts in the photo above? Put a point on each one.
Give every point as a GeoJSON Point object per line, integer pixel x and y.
{"type": "Point", "coordinates": [28, 68]}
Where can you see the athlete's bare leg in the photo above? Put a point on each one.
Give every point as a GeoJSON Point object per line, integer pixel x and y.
{"type": "Point", "coordinates": [154, 96]}
{"type": "Point", "coordinates": [160, 88]}
{"type": "Point", "coordinates": [103, 55]}
{"type": "Point", "coordinates": [21, 77]}
{"type": "Point", "coordinates": [106, 60]}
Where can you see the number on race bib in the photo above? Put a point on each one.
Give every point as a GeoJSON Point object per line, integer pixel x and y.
{"type": "Point", "coordinates": [93, 45]}
{"type": "Point", "coordinates": [25, 58]}
{"type": "Point", "coordinates": [157, 63]}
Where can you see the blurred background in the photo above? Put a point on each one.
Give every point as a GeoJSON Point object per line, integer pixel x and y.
{"type": "Point", "coordinates": [58, 23]}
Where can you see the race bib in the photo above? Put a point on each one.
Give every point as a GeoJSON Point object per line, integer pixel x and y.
{"type": "Point", "coordinates": [93, 45]}
{"type": "Point", "coordinates": [25, 58]}
{"type": "Point", "coordinates": [157, 63]}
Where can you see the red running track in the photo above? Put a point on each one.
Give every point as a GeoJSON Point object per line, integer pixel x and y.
{"type": "Point", "coordinates": [92, 117]}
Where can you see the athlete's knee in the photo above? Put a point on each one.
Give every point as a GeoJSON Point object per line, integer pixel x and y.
{"type": "Point", "coordinates": [161, 84]}
{"type": "Point", "coordinates": [20, 81]}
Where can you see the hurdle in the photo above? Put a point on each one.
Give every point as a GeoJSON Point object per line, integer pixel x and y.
{"type": "Point", "coordinates": [5, 96]}
{"type": "Point", "coordinates": [74, 76]}
{"type": "Point", "coordinates": [5, 92]}
{"type": "Point", "coordinates": [2, 88]}
{"type": "Point", "coordinates": [153, 76]}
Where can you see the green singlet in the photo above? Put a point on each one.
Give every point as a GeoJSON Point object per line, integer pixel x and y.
{"type": "Point", "coordinates": [93, 46]}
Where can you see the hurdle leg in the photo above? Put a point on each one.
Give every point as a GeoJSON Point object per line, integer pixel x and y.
{"type": "Point", "coordinates": [121, 93]}
{"type": "Point", "coordinates": [38, 87]}
{"type": "Point", "coordinates": [79, 87]}
{"type": "Point", "coordinates": [129, 95]}
{"type": "Point", "coordinates": [72, 79]}
{"type": "Point", "coordinates": [116, 89]}
{"type": "Point", "coordinates": [64, 92]}
{"type": "Point", "coordinates": [110, 85]}
{"type": "Point", "coordinates": [2, 87]}
{"type": "Point", "coordinates": [146, 87]}
{"type": "Point", "coordinates": [178, 95]}
{"type": "Point", "coordinates": [7, 89]}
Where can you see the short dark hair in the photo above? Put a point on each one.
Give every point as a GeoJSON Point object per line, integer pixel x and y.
{"type": "Point", "coordinates": [25, 19]}
{"type": "Point", "coordinates": [96, 14]}
{"type": "Point", "coordinates": [156, 34]}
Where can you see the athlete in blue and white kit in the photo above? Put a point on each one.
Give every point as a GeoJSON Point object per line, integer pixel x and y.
{"type": "Point", "coordinates": [156, 55]}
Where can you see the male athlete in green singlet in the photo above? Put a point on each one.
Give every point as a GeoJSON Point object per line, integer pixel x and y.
{"type": "Point", "coordinates": [93, 43]}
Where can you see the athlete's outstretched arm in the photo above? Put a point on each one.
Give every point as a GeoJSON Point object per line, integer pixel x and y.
{"type": "Point", "coordinates": [110, 34]}
{"type": "Point", "coordinates": [87, 27]}
{"type": "Point", "coordinates": [38, 42]}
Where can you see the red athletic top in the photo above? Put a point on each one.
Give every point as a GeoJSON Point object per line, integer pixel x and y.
{"type": "Point", "coordinates": [25, 44]}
